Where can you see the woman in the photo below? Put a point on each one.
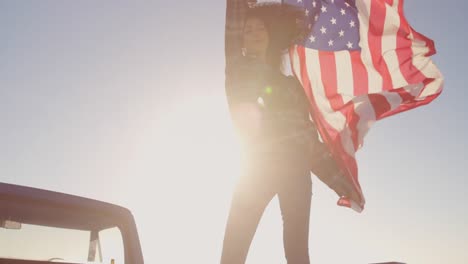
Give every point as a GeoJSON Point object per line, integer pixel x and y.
{"type": "Point", "coordinates": [270, 111]}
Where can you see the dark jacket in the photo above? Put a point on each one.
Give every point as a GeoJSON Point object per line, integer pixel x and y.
{"type": "Point", "coordinates": [287, 132]}
{"type": "Point", "coordinates": [285, 126]}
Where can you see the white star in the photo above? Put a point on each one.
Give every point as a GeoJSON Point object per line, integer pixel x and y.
{"type": "Point", "coordinates": [312, 38]}
{"type": "Point", "coordinates": [314, 4]}
{"type": "Point", "coordinates": [351, 23]}
{"type": "Point", "coordinates": [341, 33]}
{"type": "Point", "coordinates": [333, 1]}
{"type": "Point", "coordinates": [299, 1]}
{"type": "Point", "coordinates": [350, 45]}
{"type": "Point", "coordinates": [346, 3]}
{"type": "Point", "coordinates": [324, 9]}
{"type": "Point", "coordinates": [316, 17]}
{"type": "Point", "coordinates": [333, 21]}
{"type": "Point", "coordinates": [307, 12]}
{"type": "Point", "coordinates": [330, 43]}
{"type": "Point", "coordinates": [343, 12]}
{"type": "Point", "coordinates": [323, 30]}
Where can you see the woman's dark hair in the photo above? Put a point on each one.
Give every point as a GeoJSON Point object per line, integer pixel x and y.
{"type": "Point", "coordinates": [284, 24]}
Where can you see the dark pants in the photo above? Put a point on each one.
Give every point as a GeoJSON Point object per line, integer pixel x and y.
{"type": "Point", "coordinates": [254, 190]}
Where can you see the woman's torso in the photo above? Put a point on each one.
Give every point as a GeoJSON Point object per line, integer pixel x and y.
{"type": "Point", "coordinates": [286, 131]}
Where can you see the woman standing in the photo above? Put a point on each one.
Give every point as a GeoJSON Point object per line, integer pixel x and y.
{"type": "Point", "coordinates": [270, 112]}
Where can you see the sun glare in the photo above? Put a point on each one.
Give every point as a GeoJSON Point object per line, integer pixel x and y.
{"type": "Point", "coordinates": [190, 143]}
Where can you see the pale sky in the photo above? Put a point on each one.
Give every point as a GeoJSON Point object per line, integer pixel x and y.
{"type": "Point", "coordinates": [123, 101]}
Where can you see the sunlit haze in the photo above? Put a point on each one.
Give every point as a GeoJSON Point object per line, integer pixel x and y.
{"type": "Point", "coordinates": [123, 101]}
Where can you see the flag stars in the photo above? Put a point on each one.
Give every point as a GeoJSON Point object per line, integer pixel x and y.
{"type": "Point", "coordinates": [307, 12]}
{"type": "Point", "coordinates": [349, 45]}
{"type": "Point", "coordinates": [341, 33]}
{"type": "Point", "coordinates": [352, 23]}
{"type": "Point", "coordinates": [299, 1]}
{"type": "Point", "coordinates": [330, 42]}
{"type": "Point", "coordinates": [324, 9]}
{"type": "Point", "coordinates": [347, 5]}
{"type": "Point", "coordinates": [314, 4]}
{"type": "Point", "coordinates": [343, 12]}
{"type": "Point", "coordinates": [333, 21]}
{"type": "Point", "coordinates": [310, 26]}
{"type": "Point", "coordinates": [323, 30]}
{"type": "Point", "coordinates": [312, 38]}
{"type": "Point", "coordinates": [316, 18]}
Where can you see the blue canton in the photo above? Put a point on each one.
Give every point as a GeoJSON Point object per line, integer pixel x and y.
{"type": "Point", "coordinates": [334, 24]}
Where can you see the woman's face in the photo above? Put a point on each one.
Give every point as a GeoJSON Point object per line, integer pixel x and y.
{"type": "Point", "coordinates": [255, 37]}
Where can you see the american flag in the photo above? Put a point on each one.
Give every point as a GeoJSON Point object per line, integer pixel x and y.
{"type": "Point", "coordinates": [360, 62]}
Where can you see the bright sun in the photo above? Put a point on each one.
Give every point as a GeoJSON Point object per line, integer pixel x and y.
{"type": "Point", "coordinates": [194, 136]}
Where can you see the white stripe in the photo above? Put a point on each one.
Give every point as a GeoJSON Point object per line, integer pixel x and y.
{"type": "Point", "coordinates": [335, 119]}
{"type": "Point", "coordinates": [344, 75]}
{"type": "Point", "coordinates": [375, 80]}
{"type": "Point", "coordinates": [389, 45]}
{"type": "Point", "coordinates": [366, 113]}
{"type": "Point", "coordinates": [393, 98]}
{"type": "Point", "coordinates": [426, 66]}
{"type": "Point", "coordinates": [414, 89]}
{"type": "Point", "coordinates": [432, 88]}
{"type": "Point", "coordinates": [347, 141]}
{"type": "Point", "coordinates": [296, 66]}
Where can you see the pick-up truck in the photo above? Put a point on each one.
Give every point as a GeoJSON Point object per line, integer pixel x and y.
{"type": "Point", "coordinates": [40, 226]}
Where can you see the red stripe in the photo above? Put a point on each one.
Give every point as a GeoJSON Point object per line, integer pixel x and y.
{"type": "Point", "coordinates": [376, 26]}
{"type": "Point", "coordinates": [380, 105]}
{"type": "Point", "coordinates": [404, 51]}
{"type": "Point", "coordinates": [329, 134]}
{"type": "Point", "coordinates": [325, 129]}
{"type": "Point", "coordinates": [329, 80]}
{"type": "Point", "coordinates": [429, 42]}
{"type": "Point", "coordinates": [361, 87]}
{"type": "Point", "coordinates": [328, 69]}
{"type": "Point", "coordinates": [410, 101]}
{"type": "Point", "coordinates": [305, 82]}
{"type": "Point", "coordinates": [353, 119]}
{"type": "Point", "coordinates": [360, 76]}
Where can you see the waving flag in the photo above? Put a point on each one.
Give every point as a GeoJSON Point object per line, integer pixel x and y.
{"type": "Point", "coordinates": [360, 62]}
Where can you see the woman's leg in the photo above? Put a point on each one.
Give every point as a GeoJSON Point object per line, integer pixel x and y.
{"type": "Point", "coordinates": [295, 201]}
{"type": "Point", "coordinates": [251, 197]}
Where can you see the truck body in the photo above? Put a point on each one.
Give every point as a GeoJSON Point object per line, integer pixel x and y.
{"type": "Point", "coordinates": [41, 226]}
